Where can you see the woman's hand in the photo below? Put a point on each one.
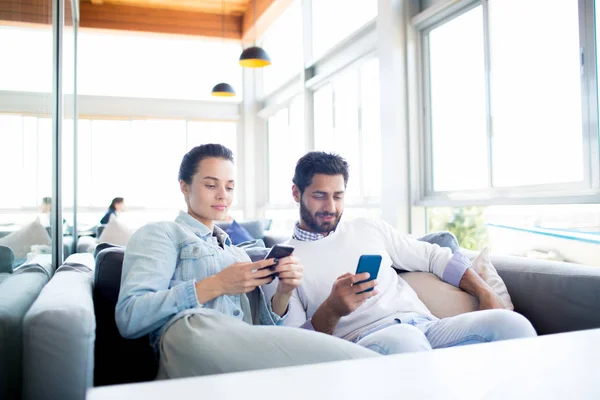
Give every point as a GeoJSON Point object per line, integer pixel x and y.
{"type": "Point", "coordinates": [290, 277]}
{"type": "Point", "coordinates": [238, 278]}
{"type": "Point", "coordinates": [290, 274]}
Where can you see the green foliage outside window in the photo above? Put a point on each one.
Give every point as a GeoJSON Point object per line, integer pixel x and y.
{"type": "Point", "coordinates": [466, 223]}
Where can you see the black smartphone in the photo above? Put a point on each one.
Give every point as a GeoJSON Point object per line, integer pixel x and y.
{"type": "Point", "coordinates": [279, 251]}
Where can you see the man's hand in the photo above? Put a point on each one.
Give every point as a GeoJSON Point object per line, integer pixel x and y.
{"type": "Point", "coordinates": [490, 300]}
{"type": "Point", "coordinates": [472, 283]}
{"type": "Point", "coordinates": [345, 298]}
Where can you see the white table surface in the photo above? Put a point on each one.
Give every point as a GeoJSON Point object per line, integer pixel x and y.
{"type": "Point", "coordinates": [562, 366]}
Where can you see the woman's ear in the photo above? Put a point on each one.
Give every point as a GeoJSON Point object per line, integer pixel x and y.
{"type": "Point", "coordinates": [184, 188]}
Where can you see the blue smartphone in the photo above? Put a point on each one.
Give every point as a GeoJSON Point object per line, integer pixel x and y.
{"type": "Point", "coordinates": [368, 263]}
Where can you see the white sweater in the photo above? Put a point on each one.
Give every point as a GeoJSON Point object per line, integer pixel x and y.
{"type": "Point", "coordinates": [338, 253]}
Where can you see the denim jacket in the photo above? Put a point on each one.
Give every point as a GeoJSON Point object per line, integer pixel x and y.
{"type": "Point", "coordinates": [163, 261]}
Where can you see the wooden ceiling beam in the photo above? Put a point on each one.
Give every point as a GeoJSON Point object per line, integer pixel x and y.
{"type": "Point", "coordinates": [128, 18]}
{"type": "Point", "coordinates": [30, 11]}
{"type": "Point", "coordinates": [267, 11]}
{"type": "Point", "coordinates": [146, 19]}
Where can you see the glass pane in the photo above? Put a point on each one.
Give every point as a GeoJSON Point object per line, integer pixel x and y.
{"type": "Point", "coordinates": [283, 42]}
{"type": "Point", "coordinates": [371, 130]}
{"type": "Point", "coordinates": [334, 20]}
{"type": "Point", "coordinates": [336, 125]}
{"type": "Point", "coordinates": [286, 131]}
{"type": "Point", "coordinates": [156, 66]}
{"type": "Point", "coordinates": [113, 148]}
{"type": "Point", "coordinates": [25, 139]}
{"type": "Point", "coordinates": [458, 114]}
{"type": "Point", "coordinates": [155, 184]}
{"type": "Point", "coordinates": [536, 94]}
{"type": "Point", "coordinates": [346, 139]}
{"type": "Point", "coordinates": [597, 12]}
{"type": "Point", "coordinates": [29, 70]}
{"type": "Point", "coordinates": [225, 133]}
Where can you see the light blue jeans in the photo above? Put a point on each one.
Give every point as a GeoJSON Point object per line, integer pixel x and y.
{"type": "Point", "coordinates": [422, 333]}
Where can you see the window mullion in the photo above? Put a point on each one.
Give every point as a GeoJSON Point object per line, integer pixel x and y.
{"type": "Point", "coordinates": [488, 100]}
{"type": "Point", "coordinates": [589, 92]}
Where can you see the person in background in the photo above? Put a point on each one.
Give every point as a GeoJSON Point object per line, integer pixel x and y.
{"type": "Point", "coordinates": [117, 205]}
{"type": "Point", "coordinates": [45, 210]}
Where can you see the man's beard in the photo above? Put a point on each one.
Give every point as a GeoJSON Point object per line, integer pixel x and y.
{"type": "Point", "coordinates": [311, 221]}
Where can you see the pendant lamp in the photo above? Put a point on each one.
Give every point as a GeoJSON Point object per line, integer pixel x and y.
{"type": "Point", "coordinates": [254, 57]}
{"type": "Point", "coordinates": [223, 89]}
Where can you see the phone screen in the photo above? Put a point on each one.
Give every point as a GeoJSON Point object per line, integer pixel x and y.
{"type": "Point", "coordinates": [279, 251]}
{"type": "Point", "coordinates": [368, 263]}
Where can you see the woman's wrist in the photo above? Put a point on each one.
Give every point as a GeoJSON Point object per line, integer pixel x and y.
{"type": "Point", "coordinates": [279, 302]}
{"type": "Point", "coordinates": [208, 289]}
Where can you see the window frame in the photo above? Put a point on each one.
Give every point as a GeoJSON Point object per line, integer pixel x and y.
{"type": "Point", "coordinates": [585, 191]}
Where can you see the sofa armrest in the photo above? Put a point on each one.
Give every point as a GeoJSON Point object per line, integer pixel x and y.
{"type": "Point", "coordinates": [555, 296]}
{"type": "Point", "coordinates": [59, 331]}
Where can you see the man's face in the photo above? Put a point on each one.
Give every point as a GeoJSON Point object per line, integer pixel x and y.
{"type": "Point", "coordinates": [322, 203]}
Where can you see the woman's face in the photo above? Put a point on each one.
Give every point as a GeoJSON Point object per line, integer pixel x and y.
{"type": "Point", "coordinates": [211, 192]}
{"type": "Point", "coordinates": [120, 206]}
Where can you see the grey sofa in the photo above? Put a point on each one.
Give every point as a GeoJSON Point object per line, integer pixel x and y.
{"type": "Point", "coordinates": [555, 296]}
{"type": "Point", "coordinates": [18, 291]}
{"type": "Point", "coordinates": [59, 334]}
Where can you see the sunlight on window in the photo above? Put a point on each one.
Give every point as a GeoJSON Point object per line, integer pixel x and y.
{"type": "Point", "coordinates": [156, 66]}
{"type": "Point", "coordinates": [536, 94]}
{"type": "Point", "coordinates": [333, 20]}
{"type": "Point", "coordinates": [458, 125]}
{"type": "Point", "coordinates": [283, 42]}
{"type": "Point", "coordinates": [371, 130]}
{"type": "Point", "coordinates": [23, 72]}
{"type": "Point", "coordinates": [285, 131]}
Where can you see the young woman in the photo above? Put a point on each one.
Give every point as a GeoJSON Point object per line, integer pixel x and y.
{"type": "Point", "coordinates": [116, 205]}
{"type": "Point", "coordinates": [198, 296]}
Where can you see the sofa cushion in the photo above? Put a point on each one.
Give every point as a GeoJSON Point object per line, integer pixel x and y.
{"type": "Point", "coordinates": [442, 299]}
{"type": "Point", "coordinates": [483, 266]}
{"type": "Point", "coordinates": [255, 228]}
{"type": "Point", "coordinates": [18, 291]}
{"type": "Point", "coordinates": [237, 233]}
{"type": "Point", "coordinates": [21, 241]}
{"type": "Point", "coordinates": [116, 232]}
{"type": "Point", "coordinates": [117, 360]}
{"type": "Point", "coordinates": [7, 259]}
{"type": "Point", "coordinates": [59, 333]}
{"type": "Point", "coordinates": [445, 300]}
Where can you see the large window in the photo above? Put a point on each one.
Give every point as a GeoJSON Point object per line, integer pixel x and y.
{"type": "Point", "coordinates": [135, 159]}
{"type": "Point", "coordinates": [457, 69]}
{"type": "Point", "coordinates": [334, 20]}
{"type": "Point", "coordinates": [283, 42]}
{"type": "Point", "coordinates": [22, 70]}
{"type": "Point", "coordinates": [535, 102]}
{"type": "Point", "coordinates": [504, 102]}
{"type": "Point", "coordinates": [122, 64]}
{"type": "Point", "coordinates": [287, 143]}
{"type": "Point", "coordinates": [346, 113]}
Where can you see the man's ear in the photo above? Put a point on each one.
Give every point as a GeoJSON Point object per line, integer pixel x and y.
{"type": "Point", "coordinates": [296, 193]}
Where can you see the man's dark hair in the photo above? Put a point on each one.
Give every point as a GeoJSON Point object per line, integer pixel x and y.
{"type": "Point", "coordinates": [190, 162]}
{"type": "Point", "coordinates": [47, 200]}
{"type": "Point", "coordinates": [319, 162]}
